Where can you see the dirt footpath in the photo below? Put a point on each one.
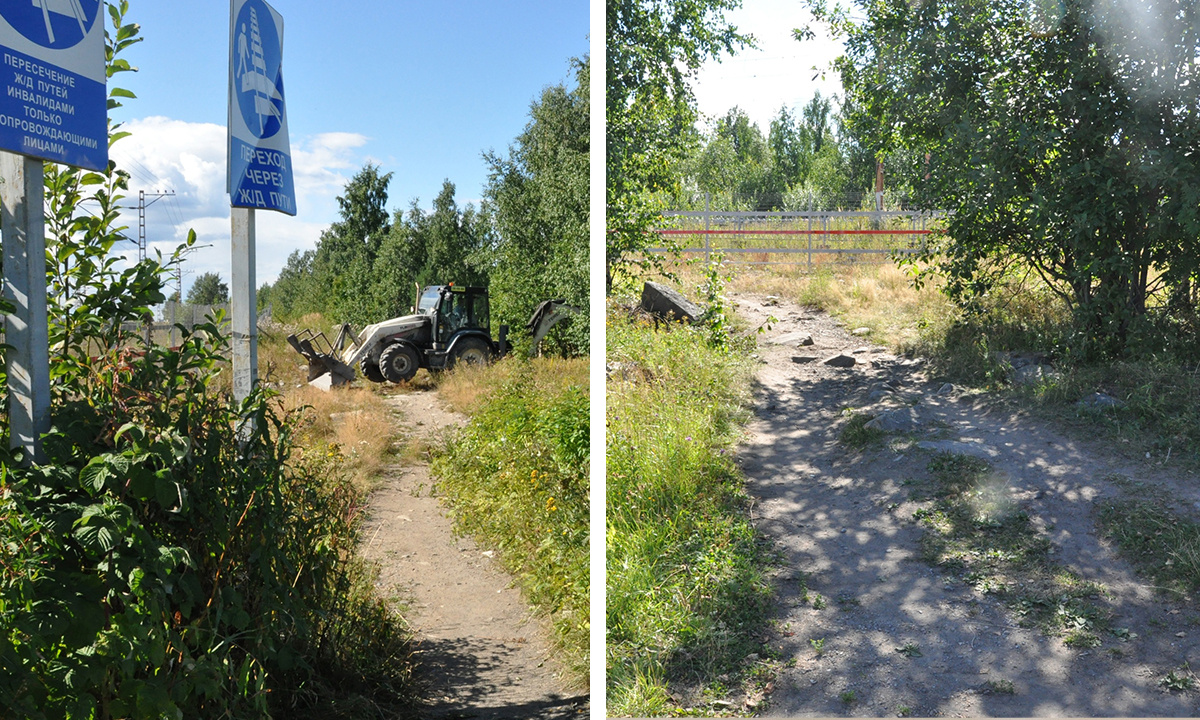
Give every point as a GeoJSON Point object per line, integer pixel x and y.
{"type": "Point", "coordinates": [843, 521]}
{"type": "Point", "coordinates": [481, 653]}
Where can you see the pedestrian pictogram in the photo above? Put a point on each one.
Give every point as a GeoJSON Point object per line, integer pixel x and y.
{"type": "Point", "coordinates": [55, 24]}
{"type": "Point", "coordinates": [260, 157]}
{"type": "Point", "coordinates": [256, 70]}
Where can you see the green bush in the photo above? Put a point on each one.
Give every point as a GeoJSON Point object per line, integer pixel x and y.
{"type": "Point", "coordinates": [685, 586]}
{"type": "Point", "coordinates": [166, 560]}
{"type": "Point", "coordinates": [173, 554]}
{"type": "Point", "coordinates": [517, 477]}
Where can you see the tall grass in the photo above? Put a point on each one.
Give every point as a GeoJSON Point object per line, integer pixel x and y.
{"type": "Point", "coordinates": [685, 586]}
{"type": "Point", "coordinates": [517, 477]}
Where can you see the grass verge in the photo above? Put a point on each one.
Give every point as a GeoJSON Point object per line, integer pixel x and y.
{"type": "Point", "coordinates": [686, 596]}
{"type": "Point", "coordinates": [1157, 542]}
{"type": "Point", "coordinates": [517, 478]}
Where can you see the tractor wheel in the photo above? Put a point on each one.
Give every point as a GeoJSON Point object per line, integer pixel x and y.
{"type": "Point", "coordinates": [370, 369]}
{"type": "Point", "coordinates": [471, 351]}
{"type": "Point", "coordinates": [399, 362]}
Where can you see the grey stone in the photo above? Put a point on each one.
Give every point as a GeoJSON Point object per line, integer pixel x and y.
{"type": "Point", "coordinates": [945, 389]}
{"type": "Point", "coordinates": [797, 339]}
{"type": "Point", "coordinates": [860, 331]}
{"type": "Point", "coordinates": [903, 419]}
{"type": "Point", "coordinates": [668, 304]}
{"type": "Point", "coordinates": [841, 360]}
{"type": "Point", "coordinates": [974, 448]}
{"type": "Point", "coordinates": [880, 391]}
{"type": "Point", "coordinates": [1034, 374]}
{"type": "Point", "coordinates": [802, 359]}
{"type": "Point", "coordinates": [770, 301]}
{"type": "Point", "coordinates": [1100, 401]}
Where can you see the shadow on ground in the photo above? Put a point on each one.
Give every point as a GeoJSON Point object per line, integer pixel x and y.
{"type": "Point", "coordinates": [842, 522]}
{"type": "Point", "coordinates": [470, 673]}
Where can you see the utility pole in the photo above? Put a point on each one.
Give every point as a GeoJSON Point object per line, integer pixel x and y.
{"type": "Point", "coordinates": [142, 205]}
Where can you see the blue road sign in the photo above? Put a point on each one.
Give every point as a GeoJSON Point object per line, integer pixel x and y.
{"type": "Point", "coordinates": [260, 162]}
{"type": "Point", "coordinates": [53, 96]}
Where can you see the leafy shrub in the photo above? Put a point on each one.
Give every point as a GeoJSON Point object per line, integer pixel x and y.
{"type": "Point", "coordinates": [173, 554]}
{"type": "Point", "coordinates": [517, 477]}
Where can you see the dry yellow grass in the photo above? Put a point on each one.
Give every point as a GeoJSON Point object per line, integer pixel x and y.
{"type": "Point", "coordinates": [357, 420]}
{"type": "Point", "coordinates": [878, 296]}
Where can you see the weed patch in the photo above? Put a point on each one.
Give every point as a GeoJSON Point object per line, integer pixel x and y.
{"type": "Point", "coordinates": [856, 435]}
{"type": "Point", "coordinates": [1157, 542]}
{"type": "Point", "coordinates": [974, 530]}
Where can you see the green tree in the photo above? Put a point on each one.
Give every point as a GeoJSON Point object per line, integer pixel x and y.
{"type": "Point", "coordinates": [345, 253]}
{"type": "Point", "coordinates": [538, 197]}
{"type": "Point", "coordinates": [452, 240]}
{"type": "Point", "coordinates": [1058, 135]}
{"type": "Point", "coordinates": [735, 160]}
{"type": "Point", "coordinates": [209, 289]}
{"type": "Point", "coordinates": [654, 50]}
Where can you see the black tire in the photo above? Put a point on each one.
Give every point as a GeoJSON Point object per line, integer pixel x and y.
{"type": "Point", "coordinates": [370, 369]}
{"type": "Point", "coordinates": [471, 351]}
{"type": "Point", "coordinates": [399, 362]}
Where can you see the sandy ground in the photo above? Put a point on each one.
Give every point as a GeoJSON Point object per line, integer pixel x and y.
{"type": "Point", "coordinates": [827, 510]}
{"type": "Point", "coordinates": [481, 653]}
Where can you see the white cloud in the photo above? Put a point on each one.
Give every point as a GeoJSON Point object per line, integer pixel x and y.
{"type": "Point", "coordinates": [779, 72]}
{"type": "Point", "coordinates": [164, 154]}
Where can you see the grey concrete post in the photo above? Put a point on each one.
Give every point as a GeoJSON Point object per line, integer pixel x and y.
{"type": "Point", "coordinates": [26, 330]}
{"type": "Point", "coordinates": [243, 304]}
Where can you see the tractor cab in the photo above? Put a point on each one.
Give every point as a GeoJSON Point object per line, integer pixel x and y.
{"type": "Point", "coordinates": [456, 309]}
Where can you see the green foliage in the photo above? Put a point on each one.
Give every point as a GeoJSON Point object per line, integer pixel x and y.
{"type": "Point", "coordinates": [735, 159]}
{"type": "Point", "coordinates": [1181, 681]}
{"type": "Point", "coordinates": [717, 315]}
{"type": "Point", "coordinates": [855, 433]}
{"type": "Point", "coordinates": [539, 196]}
{"type": "Point", "coordinates": [653, 52]}
{"type": "Point", "coordinates": [364, 267]}
{"type": "Point", "coordinates": [517, 477]}
{"type": "Point", "coordinates": [173, 556]}
{"type": "Point", "coordinates": [209, 289]}
{"type": "Point", "coordinates": [686, 594]}
{"type": "Point", "coordinates": [528, 243]}
{"type": "Point", "coordinates": [1066, 150]}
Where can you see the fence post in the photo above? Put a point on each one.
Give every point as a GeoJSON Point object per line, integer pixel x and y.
{"type": "Point", "coordinates": [810, 244]}
{"type": "Point", "coordinates": [707, 227]}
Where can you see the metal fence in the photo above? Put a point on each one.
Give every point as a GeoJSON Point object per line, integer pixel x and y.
{"type": "Point", "coordinates": [163, 330]}
{"type": "Point", "coordinates": [781, 238]}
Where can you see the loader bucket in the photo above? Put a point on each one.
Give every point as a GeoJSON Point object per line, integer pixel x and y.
{"type": "Point", "coordinates": [325, 370]}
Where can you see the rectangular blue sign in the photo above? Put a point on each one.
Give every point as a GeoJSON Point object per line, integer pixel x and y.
{"type": "Point", "coordinates": [265, 178]}
{"type": "Point", "coordinates": [260, 155]}
{"type": "Point", "coordinates": [53, 94]}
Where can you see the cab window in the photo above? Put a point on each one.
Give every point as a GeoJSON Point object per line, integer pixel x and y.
{"type": "Point", "coordinates": [428, 299]}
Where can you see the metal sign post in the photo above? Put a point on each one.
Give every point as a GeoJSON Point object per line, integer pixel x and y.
{"type": "Point", "coordinates": [242, 305]}
{"type": "Point", "coordinates": [259, 162]}
{"type": "Point", "coordinates": [53, 106]}
{"type": "Point", "coordinates": [26, 331]}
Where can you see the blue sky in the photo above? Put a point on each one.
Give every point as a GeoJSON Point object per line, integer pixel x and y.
{"type": "Point", "coordinates": [421, 89]}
